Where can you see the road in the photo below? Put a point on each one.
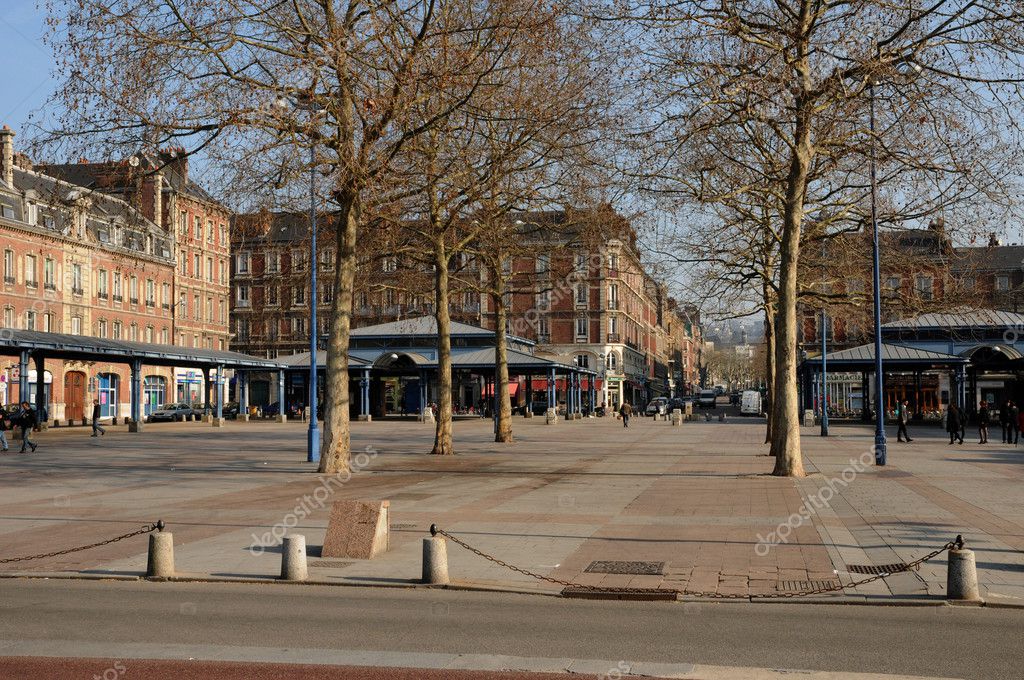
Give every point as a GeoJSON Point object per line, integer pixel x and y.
{"type": "Point", "coordinates": [401, 627]}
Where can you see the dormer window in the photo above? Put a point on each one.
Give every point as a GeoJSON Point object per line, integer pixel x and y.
{"type": "Point", "coordinates": [7, 211]}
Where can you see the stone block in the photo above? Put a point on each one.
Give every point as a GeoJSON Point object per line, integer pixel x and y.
{"type": "Point", "coordinates": [364, 418]}
{"type": "Point", "coordinates": [357, 529]}
{"type": "Point", "coordinates": [551, 416]}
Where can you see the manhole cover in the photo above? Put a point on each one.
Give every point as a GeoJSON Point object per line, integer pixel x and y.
{"type": "Point", "coordinates": [613, 567]}
{"type": "Point", "coordinates": [330, 564]}
{"type": "Point", "coordinates": [642, 594]}
{"type": "Point", "coordinates": [403, 526]}
{"type": "Point", "coordinates": [804, 586]}
{"type": "Point", "coordinates": [876, 569]}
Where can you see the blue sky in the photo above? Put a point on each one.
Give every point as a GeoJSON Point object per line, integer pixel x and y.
{"type": "Point", "coordinates": [26, 62]}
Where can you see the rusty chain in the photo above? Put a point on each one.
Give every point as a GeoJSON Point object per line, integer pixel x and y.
{"type": "Point", "coordinates": [957, 543]}
{"type": "Point", "coordinates": [146, 529]}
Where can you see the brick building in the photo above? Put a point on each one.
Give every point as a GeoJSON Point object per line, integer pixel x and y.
{"type": "Point", "coordinates": [80, 262]}
{"type": "Point", "coordinates": [584, 299]}
{"type": "Point", "coordinates": [198, 227]}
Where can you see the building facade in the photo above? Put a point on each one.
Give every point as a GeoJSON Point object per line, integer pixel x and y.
{"type": "Point", "coordinates": [85, 263]}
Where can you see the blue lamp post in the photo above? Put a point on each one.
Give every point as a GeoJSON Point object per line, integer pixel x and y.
{"type": "Point", "coordinates": [880, 443]}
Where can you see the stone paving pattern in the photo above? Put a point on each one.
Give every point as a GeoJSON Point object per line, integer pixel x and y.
{"type": "Point", "coordinates": [697, 497]}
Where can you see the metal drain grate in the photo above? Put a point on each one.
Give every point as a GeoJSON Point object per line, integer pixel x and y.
{"type": "Point", "coordinates": [402, 526]}
{"type": "Point", "coordinates": [801, 586]}
{"type": "Point", "coordinates": [330, 564]}
{"type": "Point", "coordinates": [876, 569]}
{"type": "Point", "coordinates": [635, 568]}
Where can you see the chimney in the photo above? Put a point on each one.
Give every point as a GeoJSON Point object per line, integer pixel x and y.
{"type": "Point", "coordinates": [158, 199]}
{"type": "Point", "coordinates": [7, 160]}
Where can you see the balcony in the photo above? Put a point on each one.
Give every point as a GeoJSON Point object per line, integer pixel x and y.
{"type": "Point", "coordinates": [102, 295]}
{"type": "Point", "coordinates": [8, 279]}
{"type": "Point", "coordinates": [150, 303]}
{"type": "Point", "coordinates": [31, 284]}
{"type": "Point", "coordinates": [613, 304]}
{"type": "Point", "coordinates": [544, 339]}
{"type": "Point", "coordinates": [133, 300]}
{"type": "Point", "coordinates": [50, 285]}
{"type": "Point", "coordinates": [118, 298]}
{"type": "Point", "coordinates": [614, 338]}
{"type": "Point", "coordinates": [77, 291]}
{"type": "Point", "coordinates": [164, 305]}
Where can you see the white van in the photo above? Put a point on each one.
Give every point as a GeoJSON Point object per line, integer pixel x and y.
{"type": "Point", "coordinates": [750, 403]}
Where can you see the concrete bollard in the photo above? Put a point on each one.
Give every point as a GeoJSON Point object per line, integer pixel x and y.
{"type": "Point", "coordinates": [435, 561]}
{"type": "Point", "coordinates": [293, 558]}
{"type": "Point", "coordinates": [677, 417]}
{"type": "Point", "coordinates": [962, 576]}
{"type": "Point", "coordinates": [721, 417]}
{"type": "Point", "coordinates": [551, 416]}
{"type": "Point", "coordinates": [160, 563]}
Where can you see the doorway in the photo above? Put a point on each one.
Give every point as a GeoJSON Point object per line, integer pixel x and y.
{"type": "Point", "coordinates": [74, 395]}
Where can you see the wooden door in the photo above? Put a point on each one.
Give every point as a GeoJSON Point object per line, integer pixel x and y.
{"type": "Point", "coordinates": [74, 395]}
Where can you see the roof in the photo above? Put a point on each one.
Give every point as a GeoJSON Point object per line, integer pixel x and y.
{"type": "Point", "coordinates": [421, 326]}
{"type": "Point", "coordinates": [470, 358]}
{"type": "Point", "coordinates": [890, 353]}
{"type": "Point", "coordinates": [965, 317]}
{"type": "Point", "coordinates": [64, 346]}
{"type": "Point", "coordinates": [484, 357]}
{"type": "Point", "coordinates": [988, 258]}
{"type": "Point", "coordinates": [302, 360]}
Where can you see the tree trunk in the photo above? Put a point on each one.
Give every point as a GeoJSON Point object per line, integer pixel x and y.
{"type": "Point", "coordinates": [443, 431]}
{"type": "Point", "coordinates": [504, 431]}
{"type": "Point", "coordinates": [769, 362]}
{"type": "Point", "coordinates": [335, 448]}
{"type": "Point", "coordinates": [786, 422]}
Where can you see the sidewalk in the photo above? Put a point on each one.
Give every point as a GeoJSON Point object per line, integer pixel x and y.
{"type": "Point", "coordinates": [697, 499]}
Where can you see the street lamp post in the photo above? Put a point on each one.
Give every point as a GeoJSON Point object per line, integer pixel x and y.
{"type": "Point", "coordinates": [313, 436]}
{"type": "Point", "coordinates": [880, 444]}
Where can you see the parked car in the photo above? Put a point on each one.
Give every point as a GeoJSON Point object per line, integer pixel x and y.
{"type": "Point", "coordinates": [271, 410]}
{"type": "Point", "coordinates": [707, 399]}
{"type": "Point", "coordinates": [656, 407]}
{"type": "Point", "coordinates": [734, 398]}
{"type": "Point", "coordinates": [230, 410]}
{"type": "Point", "coordinates": [540, 408]}
{"type": "Point", "coordinates": [170, 412]}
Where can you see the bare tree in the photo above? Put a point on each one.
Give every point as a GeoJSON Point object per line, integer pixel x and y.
{"type": "Point", "coordinates": [941, 83]}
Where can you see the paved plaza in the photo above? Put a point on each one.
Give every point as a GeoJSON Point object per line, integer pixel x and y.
{"type": "Point", "coordinates": [696, 498]}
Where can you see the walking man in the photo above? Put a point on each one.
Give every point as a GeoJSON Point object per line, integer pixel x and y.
{"type": "Point", "coordinates": [4, 424]}
{"type": "Point", "coordinates": [902, 417]}
{"type": "Point", "coordinates": [983, 423]}
{"type": "Point", "coordinates": [96, 414]}
{"type": "Point", "coordinates": [27, 421]}
{"type": "Point", "coordinates": [625, 411]}
{"type": "Point", "coordinates": [953, 419]}
{"type": "Point", "coordinates": [1012, 416]}
{"type": "Point", "coordinates": [1004, 421]}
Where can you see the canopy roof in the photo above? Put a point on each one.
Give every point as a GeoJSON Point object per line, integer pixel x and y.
{"type": "Point", "coordinates": [865, 354]}
{"type": "Point", "coordinates": [967, 318]}
{"type": "Point", "coordinates": [85, 348]}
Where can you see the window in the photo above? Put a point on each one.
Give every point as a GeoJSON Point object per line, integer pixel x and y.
{"type": "Point", "coordinates": [165, 295]}
{"type": "Point", "coordinates": [183, 263]}
{"type": "Point", "coordinates": [183, 223]}
{"type": "Point", "coordinates": [581, 327]}
{"type": "Point", "coordinates": [30, 271]}
{"type": "Point", "coordinates": [1002, 282]}
{"type": "Point", "coordinates": [242, 329]}
{"type": "Point", "coordinates": [581, 262]}
{"type": "Point", "coordinates": [543, 263]}
{"type": "Point", "coordinates": [76, 279]}
{"type": "Point", "coordinates": [581, 293]}
{"type": "Point", "coordinates": [223, 234]}
{"type": "Point", "coordinates": [197, 228]}
{"type": "Point", "coordinates": [48, 326]}
{"type": "Point", "coordinates": [272, 296]}
{"type": "Point", "coordinates": [829, 327]}
{"type": "Point", "coordinates": [209, 231]}
{"type": "Point", "coordinates": [613, 325]}
{"type": "Point", "coordinates": [583, 360]}
{"type": "Point", "coordinates": [273, 261]}
{"type": "Point", "coordinates": [8, 266]}
{"type": "Point", "coordinates": [197, 267]}
{"type": "Point", "coordinates": [133, 290]}
{"type": "Point", "coordinates": [209, 269]}
{"type": "Point", "coordinates": [969, 283]}
{"type": "Point", "coordinates": [117, 330]}
{"type": "Point", "coordinates": [133, 333]}
{"type": "Point", "coordinates": [117, 287]}
{"type": "Point", "coordinates": [7, 211]}
{"type": "Point", "coordinates": [612, 361]}
{"type": "Point", "coordinates": [544, 299]}
{"type": "Point", "coordinates": [613, 296]}
{"type": "Point", "coordinates": [165, 336]}
{"type": "Point", "coordinates": [923, 284]}
{"type": "Point", "coordinates": [150, 293]}
{"type": "Point", "coordinates": [364, 300]}
{"type": "Point", "coordinates": [223, 271]}
{"type": "Point", "coordinates": [892, 285]}
{"type": "Point", "coordinates": [197, 308]}
{"type": "Point", "coordinates": [8, 317]}
{"type": "Point", "coordinates": [543, 330]}
{"type": "Point", "coordinates": [149, 334]}
{"type": "Point", "coordinates": [101, 328]}
{"type": "Point", "coordinates": [327, 293]}
{"type": "Point", "coordinates": [300, 295]}
{"type": "Point", "coordinates": [389, 265]}
{"type": "Point", "coordinates": [298, 326]}
{"type": "Point", "coordinates": [182, 307]}
{"type": "Point", "coordinates": [76, 325]}
{"type": "Point", "coordinates": [242, 263]}
{"type": "Point", "coordinates": [855, 285]}
{"type": "Point", "coordinates": [101, 284]}
{"type": "Point", "coordinates": [209, 309]}
{"type": "Point", "coordinates": [222, 317]}
{"type": "Point", "coordinates": [613, 261]}
{"type": "Point", "coordinates": [243, 296]}
{"type": "Point", "coordinates": [49, 274]}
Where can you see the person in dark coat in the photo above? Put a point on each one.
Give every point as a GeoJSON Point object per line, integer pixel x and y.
{"type": "Point", "coordinates": [1013, 416]}
{"type": "Point", "coordinates": [5, 424]}
{"type": "Point", "coordinates": [97, 413]}
{"type": "Point", "coordinates": [625, 411]}
{"type": "Point", "coordinates": [902, 418]}
{"type": "Point", "coordinates": [1004, 420]}
{"type": "Point", "coordinates": [983, 419]}
{"type": "Point", "coordinates": [27, 421]}
{"type": "Point", "coordinates": [954, 419]}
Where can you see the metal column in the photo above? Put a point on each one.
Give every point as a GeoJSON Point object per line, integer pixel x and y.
{"type": "Point", "coordinates": [282, 414]}
{"type": "Point", "coordinates": [23, 377]}
{"type": "Point", "coordinates": [242, 380]}
{"type": "Point", "coordinates": [40, 389]}
{"type": "Point", "coordinates": [218, 416]}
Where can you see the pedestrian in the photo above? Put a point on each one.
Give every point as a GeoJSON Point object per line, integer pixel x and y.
{"type": "Point", "coordinates": [902, 418]}
{"type": "Point", "coordinates": [1014, 417]}
{"type": "Point", "coordinates": [983, 418]}
{"type": "Point", "coordinates": [1004, 420]}
{"type": "Point", "coordinates": [96, 413]}
{"type": "Point", "coordinates": [5, 423]}
{"type": "Point", "coordinates": [625, 411]}
{"type": "Point", "coordinates": [1020, 421]}
{"type": "Point", "coordinates": [27, 421]}
{"type": "Point", "coordinates": [953, 427]}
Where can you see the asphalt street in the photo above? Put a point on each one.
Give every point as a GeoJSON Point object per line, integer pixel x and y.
{"type": "Point", "coordinates": [291, 623]}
